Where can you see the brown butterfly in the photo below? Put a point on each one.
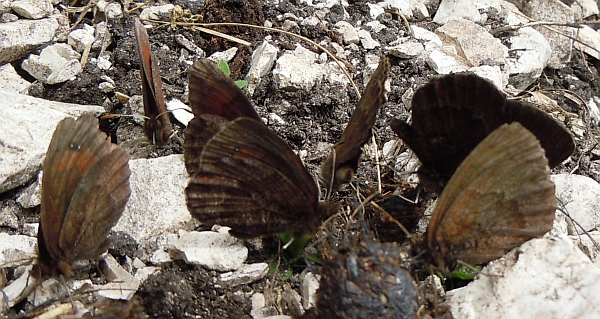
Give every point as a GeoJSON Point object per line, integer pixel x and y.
{"type": "Point", "coordinates": [213, 92]}
{"type": "Point", "coordinates": [347, 150]}
{"type": "Point", "coordinates": [452, 114]}
{"type": "Point", "coordinates": [215, 99]}
{"type": "Point", "coordinates": [499, 197]}
{"type": "Point", "coordinates": [157, 126]}
{"type": "Point", "coordinates": [85, 187]}
{"type": "Point", "coordinates": [250, 180]}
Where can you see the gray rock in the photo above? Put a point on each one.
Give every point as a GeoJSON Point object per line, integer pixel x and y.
{"type": "Point", "coordinates": [580, 196]}
{"type": "Point", "coordinates": [472, 42]}
{"type": "Point", "coordinates": [588, 41]}
{"type": "Point", "coordinates": [214, 250]}
{"type": "Point", "coordinates": [122, 285]}
{"type": "Point", "coordinates": [26, 126]}
{"type": "Point", "coordinates": [449, 10]}
{"type": "Point", "coordinates": [55, 64]}
{"type": "Point", "coordinates": [262, 62]}
{"type": "Point", "coordinates": [308, 288]}
{"type": "Point", "coordinates": [8, 214]}
{"type": "Point", "coordinates": [32, 9]}
{"type": "Point", "coordinates": [298, 70]}
{"type": "Point", "coordinates": [531, 55]}
{"type": "Point", "coordinates": [348, 32]}
{"type": "Point", "coordinates": [226, 55]}
{"type": "Point", "coordinates": [366, 40]}
{"type": "Point", "coordinates": [181, 111]}
{"type": "Point", "coordinates": [556, 11]}
{"type": "Point", "coordinates": [543, 278]}
{"type": "Point", "coordinates": [584, 8]}
{"type": "Point", "coordinates": [246, 274]}
{"type": "Point", "coordinates": [81, 39]}
{"type": "Point", "coordinates": [8, 17]}
{"type": "Point", "coordinates": [31, 196]}
{"type": "Point", "coordinates": [23, 36]}
{"type": "Point", "coordinates": [157, 202]}
{"type": "Point", "coordinates": [406, 50]}
{"type": "Point", "coordinates": [11, 81]}
{"type": "Point", "coordinates": [156, 12]}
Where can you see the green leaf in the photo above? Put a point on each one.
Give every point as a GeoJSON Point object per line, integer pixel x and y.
{"type": "Point", "coordinates": [224, 67]}
{"type": "Point", "coordinates": [241, 83]}
{"type": "Point", "coordinates": [465, 272]}
{"type": "Point", "coordinates": [286, 274]}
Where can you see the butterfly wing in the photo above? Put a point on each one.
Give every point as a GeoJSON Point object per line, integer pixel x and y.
{"type": "Point", "coordinates": [158, 126]}
{"type": "Point", "coordinates": [250, 180]}
{"type": "Point", "coordinates": [215, 99]}
{"type": "Point", "coordinates": [97, 205]}
{"type": "Point", "coordinates": [498, 198]}
{"type": "Point", "coordinates": [213, 92]}
{"type": "Point", "coordinates": [347, 151]}
{"type": "Point", "coordinates": [79, 156]}
{"type": "Point", "coordinates": [198, 132]}
{"type": "Point", "coordinates": [452, 114]}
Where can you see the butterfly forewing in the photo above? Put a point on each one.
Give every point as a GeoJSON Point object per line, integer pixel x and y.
{"type": "Point", "coordinates": [198, 132]}
{"type": "Point", "coordinates": [214, 99]}
{"type": "Point", "coordinates": [498, 198]}
{"type": "Point", "coordinates": [452, 114]}
{"type": "Point", "coordinates": [250, 180]}
{"type": "Point", "coordinates": [158, 125]}
{"type": "Point", "coordinates": [213, 92]}
{"type": "Point", "coordinates": [84, 189]}
{"type": "Point", "coordinates": [357, 133]}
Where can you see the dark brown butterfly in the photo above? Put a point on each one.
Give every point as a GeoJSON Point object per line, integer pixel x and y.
{"type": "Point", "coordinates": [452, 114]}
{"type": "Point", "coordinates": [215, 99]}
{"type": "Point", "coordinates": [85, 187]}
{"type": "Point", "coordinates": [499, 197]}
{"type": "Point", "coordinates": [250, 180]}
{"type": "Point", "coordinates": [347, 151]}
{"type": "Point", "coordinates": [213, 92]}
{"type": "Point", "coordinates": [157, 126]}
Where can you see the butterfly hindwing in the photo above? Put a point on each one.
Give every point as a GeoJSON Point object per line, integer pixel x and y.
{"type": "Point", "coordinates": [84, 190]}
{"type": "Point", "coordinates": [499, 197]}
{"type": "Point", "coordinates": [250, 180]}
